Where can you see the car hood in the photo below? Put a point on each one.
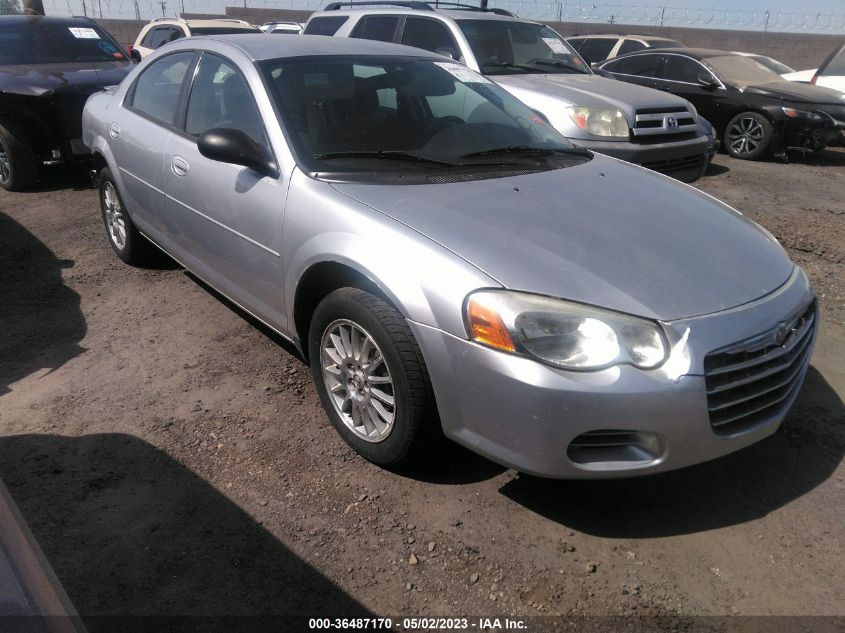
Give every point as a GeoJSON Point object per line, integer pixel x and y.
{"type": "Point", "coordinates": [588, 90]}
{"type": "Point", "coordinates": [46, 79]}
{"type": "Point", "coordinates": [799, 92]}
{"type": "Point", "coordinates": [604, 233]}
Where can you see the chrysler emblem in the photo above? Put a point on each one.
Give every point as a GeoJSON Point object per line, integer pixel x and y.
{"type": "Point", "coordinates": [782, 333]}
{"type": "Point", "coordinates": [671, 122]}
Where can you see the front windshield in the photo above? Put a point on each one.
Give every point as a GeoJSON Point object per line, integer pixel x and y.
{"type": "Point", "coordinates": [505, 47]}
{"type": "Point", "coordinates": [773, 65]}
{"type": "Point", "coordinates": [358, 114]}
{"type": "Point", "coordinates": [38, 42]}
{"type": "Point", "coordinates": [742, 71]}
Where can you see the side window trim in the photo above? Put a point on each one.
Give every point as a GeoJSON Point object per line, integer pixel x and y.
{"type": "Point", "coordinates": [687, 83]}
{"type": "Point", "coordinates": [129, 98]}
{"type": "Point", "coordinates": [616, 61]}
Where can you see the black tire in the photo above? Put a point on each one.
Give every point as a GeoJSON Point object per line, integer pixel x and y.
{"type": "Point", "coordinates": [748, 136]}
{"type": "Point", "coordinates": [18, 167]}
{"type": "Point", "coordinates": [416, 427]}
{"type": "Point", "coordinates": [135, 249]}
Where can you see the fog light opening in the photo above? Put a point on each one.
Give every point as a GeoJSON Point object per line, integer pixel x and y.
{"type": "Point", "coordinates": [614, 448]}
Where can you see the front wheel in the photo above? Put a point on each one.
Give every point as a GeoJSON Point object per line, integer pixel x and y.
{"type": "Point", "coordinates": [18, 167]}
{"type": "Point", "coordinates": [748, 136]}
{"type": "Point", "coordinates": [371, 378]}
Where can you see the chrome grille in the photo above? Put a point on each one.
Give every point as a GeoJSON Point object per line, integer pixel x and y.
{"type": "Point", "coordinates": [751, 381]}
{"type": "Point", "coordinates": [668, 120]}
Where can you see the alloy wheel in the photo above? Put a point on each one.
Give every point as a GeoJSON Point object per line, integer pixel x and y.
{"type": "Point", "coordinates": [5, 168]}
{"type": "Point", "coordinates": [115, 216]}
{"type": "Point", "coordinates": [745, 136]}
{"type": "Point", "coordinates": [358, 380]}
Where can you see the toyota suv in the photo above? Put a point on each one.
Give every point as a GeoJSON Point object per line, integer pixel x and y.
{"type": "Point", "coordinates": [536, 65]}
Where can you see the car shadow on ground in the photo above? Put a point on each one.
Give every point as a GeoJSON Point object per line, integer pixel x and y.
{"type": "Point", "coordinates": [42, 322]}
{"type": "Point", "coordinates": [60, 177]}
{"type": "Point", "coordinates": [715, 169]}
{"type": "Point", "coordinates": [829, 157]}
{"type": "Point", "coordinates": [141, 543]}
{"type": "Point", "coordinates": [728, 491]}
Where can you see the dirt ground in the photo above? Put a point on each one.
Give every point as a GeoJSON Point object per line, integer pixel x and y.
{"type": "Point", "coordinates": [173, 459]}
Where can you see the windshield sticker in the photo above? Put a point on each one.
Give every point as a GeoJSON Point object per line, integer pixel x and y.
{"type": "Point", "coordinates": [556, 45]}
{"type": "Point", "coordinates": [462, 73]}
{"type": "Point", "coordinates": [83, 33]}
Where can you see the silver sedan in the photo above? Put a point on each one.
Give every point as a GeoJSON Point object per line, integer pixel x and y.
{"type": "Point", "coordinates": [447, 262]}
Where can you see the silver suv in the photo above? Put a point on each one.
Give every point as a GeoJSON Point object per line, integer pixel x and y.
{"type": "Point", "coordinates": [531, 61]}
{"type": "Point", "coordinates": [448, 261]}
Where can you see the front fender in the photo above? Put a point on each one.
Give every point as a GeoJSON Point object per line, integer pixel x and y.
{"type": "Point", "coordinates": [426, 282]}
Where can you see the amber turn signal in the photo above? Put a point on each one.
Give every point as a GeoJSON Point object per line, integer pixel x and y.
{"type": "Point", "coordinates": [486, 326]}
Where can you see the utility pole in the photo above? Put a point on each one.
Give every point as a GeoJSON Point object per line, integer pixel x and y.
{"type": "Point", "coordinates": [137, 10]}
{"type": "Point", "coordinates": [612, 19]}
{"type": "Point", "coordinates": [662, 13]}
{"type": "Point", "coordinates": [559, 10]}
{"type": "Point", "coordinates": [100, 4]}
{"type": "Point", "coordinates": [84, 9]}
{"type": "Point", "coordinates": [183, 8]}
{"type": "Point", "coordinates": [766, 25]}
{"type": "Point", "coordinates": [163, 4]}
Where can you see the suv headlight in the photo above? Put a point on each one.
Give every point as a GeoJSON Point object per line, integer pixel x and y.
{"type": "Point", "coordinates": [599, 121]}
{"type": "Point", "coordinates": [562, 333]}
{"type": "Point", "coordinates": [792, 113]}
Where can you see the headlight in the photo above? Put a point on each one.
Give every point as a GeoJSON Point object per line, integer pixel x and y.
{"type": "Point", "coordinates": [561, 333]}
{"type": "Point", "coordinates": [599, 121]}
{"type": "Point", "coordinates": [792, 113]}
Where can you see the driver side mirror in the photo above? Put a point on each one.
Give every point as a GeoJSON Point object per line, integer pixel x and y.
{"type": "Point", "coordinates": [446, 52]}
{"type": "Point", "coordinates": [228, 145]}
{"type": "Point", "coordinates": [135, 55]}
{"type": "Point", "coordinates": [706, 80]}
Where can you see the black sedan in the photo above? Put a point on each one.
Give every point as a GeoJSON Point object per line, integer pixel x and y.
{"type": "Point", "coordinates": [753, 109]}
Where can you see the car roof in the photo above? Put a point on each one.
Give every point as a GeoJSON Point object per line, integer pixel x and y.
{"type": "Point", "coordinates": [221, 23]}
{"type": "Point", "coordinates": [257, 46]}
{"type": "Point", "coordinates": [49, 19]}
{"type": "Point", "coordinates": [695, 53]}
{"type": "Point", "coordinates": [635, 36]}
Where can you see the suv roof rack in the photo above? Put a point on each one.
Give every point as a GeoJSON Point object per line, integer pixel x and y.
{"type": "Point", "coordinates": [410, 4]}
{"type": "Point", "coordinates": [418, 5]}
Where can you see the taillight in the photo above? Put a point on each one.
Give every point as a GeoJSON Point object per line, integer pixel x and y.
{"type": "Point", "coordinates": [813, 80]}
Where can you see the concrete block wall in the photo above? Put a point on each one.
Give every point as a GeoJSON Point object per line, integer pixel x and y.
{"type": "Point", "coordinates": [799, 50]}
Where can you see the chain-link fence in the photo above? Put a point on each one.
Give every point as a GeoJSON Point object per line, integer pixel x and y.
{"type": "Point", "coordinates": [547, 10]}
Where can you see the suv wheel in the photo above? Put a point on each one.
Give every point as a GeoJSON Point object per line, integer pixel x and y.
{"type": "Point", "coordinates": [748, 136]}
{"type": "Point", "coordinates": [18, 168]}
{"type": "Point", "coordinates": [371, 378]}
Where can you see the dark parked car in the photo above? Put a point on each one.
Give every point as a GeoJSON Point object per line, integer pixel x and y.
{"type": "Point", "coordinates": [754, 110]}
{"type": "Point", "coordinates": [48, 68]}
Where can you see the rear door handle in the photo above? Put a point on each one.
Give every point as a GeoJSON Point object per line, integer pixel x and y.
{"type": "Point", "coordinates": [179, 166]}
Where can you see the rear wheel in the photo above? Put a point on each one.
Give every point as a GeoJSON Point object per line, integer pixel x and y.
{"type": "Point", "coordinates": [748, 136]}
{"type": "Point", "coordinates": [18, 167]}
{"type": "Point", "coordinates": [371, 378]}
{"type": "Point", "coordinates": [132, 247]}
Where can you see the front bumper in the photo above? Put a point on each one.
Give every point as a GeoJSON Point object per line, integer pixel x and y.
{"type": "Point", "coordinates": [684, 159]}
{"type": "Point", "coordinates": [541, 420]}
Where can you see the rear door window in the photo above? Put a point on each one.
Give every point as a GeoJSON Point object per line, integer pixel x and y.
{"type": "Point", "coordinates": [156, 37]}
{"type": "Point", "coordinates": [327, 25]}
{"type": "Point", "coordinates": [377, 27]}
{"type": "Point", "coordinates": [156, 92]}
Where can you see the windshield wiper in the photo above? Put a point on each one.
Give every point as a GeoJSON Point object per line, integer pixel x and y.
{"type": "Point", "coordinates": [383, 155]}
{"type": "Point", "coordinates": [558, 64]}
{"type": "Point", "coordinates": [525, 149]}
{"type": "Point", "coordinates": [530, 69]}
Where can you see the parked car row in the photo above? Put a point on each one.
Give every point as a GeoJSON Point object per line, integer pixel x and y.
{"type": "Point", "coordinates": [411, 215]}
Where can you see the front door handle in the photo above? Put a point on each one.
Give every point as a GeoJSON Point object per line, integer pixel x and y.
{"type": "Point", "coordinates": [179, 166]}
